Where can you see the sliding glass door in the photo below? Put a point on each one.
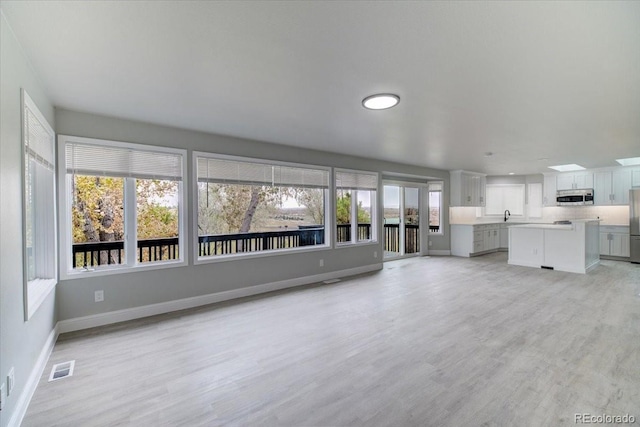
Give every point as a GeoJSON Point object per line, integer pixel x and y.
{"type": "Point", "coordinates": [401, 221]}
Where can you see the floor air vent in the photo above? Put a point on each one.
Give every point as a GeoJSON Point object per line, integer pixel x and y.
{"type": "Point", "coordinates": [62, 370]}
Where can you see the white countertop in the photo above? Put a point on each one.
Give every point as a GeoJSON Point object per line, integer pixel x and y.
{"type": "Point", "coordinates": [522, 222]}
{"type": "Point", "coordinates": [547, 226]}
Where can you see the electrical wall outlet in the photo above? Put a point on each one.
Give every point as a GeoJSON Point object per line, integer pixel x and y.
{"type": "Point", "coordinates": [11, 381]}
{"type": "Point", "coordinates": [99, 296]}
{"type": "Point", "coordinates": [321, 263]}
{"type": "Point", "coordinates": [375, 254]}
{"type": "Point", "coordinates": [430, 242]}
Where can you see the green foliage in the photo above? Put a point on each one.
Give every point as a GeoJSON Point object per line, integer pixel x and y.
{"type": "Point", "coordinates": [343, 210]}
{"type": "Point", "coordinates": [98, 208]}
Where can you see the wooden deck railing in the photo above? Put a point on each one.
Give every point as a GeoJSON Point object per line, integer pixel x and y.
{"type": "Point", "coordinates": [100, 253]}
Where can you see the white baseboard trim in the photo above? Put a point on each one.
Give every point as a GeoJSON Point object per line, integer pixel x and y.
{"type": "Point", "coordinates": [33, 380]}
{"type": "Point", "coordinates": [439, 252]}
{"type": "Point", "coordinates": [111, 317]}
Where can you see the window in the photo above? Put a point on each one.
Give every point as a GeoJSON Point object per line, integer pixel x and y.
{"type": "Point", "coordinates": [40, 247]}
{"type": "Point", "coordinates": [435, 207]}
{"type": "Point", "coordinates": [501, 197]}
{"type": "Point", "coordinates": [124, 205]}
{"type": "Point", "coordinates": [356, 206]}
{"type": "Point", "coordinates": [534, 200]}
{"type": "Point", "coordinates": [251, 206]}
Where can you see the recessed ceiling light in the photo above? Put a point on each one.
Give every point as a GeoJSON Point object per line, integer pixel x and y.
{"type": "Point", "coordinates": [631, 161]}
{"type": "Point", "coordinates": [512, 173]}
{"type": "Point", "coordinates": [380, 101]}
{"type": "Point", "coordinates": [567, 168]}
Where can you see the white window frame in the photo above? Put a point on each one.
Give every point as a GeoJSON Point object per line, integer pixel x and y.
{"type": "Point", "coordinates": [328, 222]}
{"type": "Point", "coordinates": [65, 226]}
{"type": "Point", "coordinates": [36, 290]}
{"type": "Point", "coordinates": [354, 210]}
{"type": "Point", "coordinates": [429, 191]}
{"type": "Point", "coordinates": [521, 187]}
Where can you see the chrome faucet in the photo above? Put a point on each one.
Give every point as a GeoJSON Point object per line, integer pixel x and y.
{"type": "Point", "coordinates": [505, 215]}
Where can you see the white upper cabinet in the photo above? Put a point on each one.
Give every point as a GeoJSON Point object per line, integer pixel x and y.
{"type": "Point", "coordinates": [602, 188]}
{"type": "Point", "coordinates": [635, 177]}
{"type": "Point", "coordinates": [549, 198]}
{"type": "Point", "coordinates": [574, 180]}
{"type": "Point", "coordinates": [612, 187]}
{"type": "Point", "coordinates": [467, 188]}
{"type": "Point", "coordinates": [621, 184]}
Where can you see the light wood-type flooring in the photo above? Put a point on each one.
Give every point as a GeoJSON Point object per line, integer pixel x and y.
{"type": "Point", "coordinates": [438, 341]}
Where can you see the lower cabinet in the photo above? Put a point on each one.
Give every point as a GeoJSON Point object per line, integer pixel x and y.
{"type": "Point", "coordinates": [470, 240]}
{"type": "Point", "coordinates": [504, 236]}
{"type": "Point", "coordinates": [614, 241]}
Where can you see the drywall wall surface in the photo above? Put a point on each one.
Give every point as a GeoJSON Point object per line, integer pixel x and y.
{"type": "Point", "coordinates": [20, 342]}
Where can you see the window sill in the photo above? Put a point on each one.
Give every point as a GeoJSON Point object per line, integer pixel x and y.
{"type": "Point", "coordinates": [121, 269]}
{"type": "Point", "coordinates": [249, 255]}
{"type": "Point", "coordinates": [356, 244]}
{"type": "Point", "coordinates": [37, 292]}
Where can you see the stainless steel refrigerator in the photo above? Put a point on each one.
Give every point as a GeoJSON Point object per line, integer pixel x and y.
{"type": "Point", "coordinates": [634, 223]}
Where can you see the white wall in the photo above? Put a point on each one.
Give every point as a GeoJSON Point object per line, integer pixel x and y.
{"type": "Point", "coordinates": [75, 297]}
{"type": "Point", "coordinates": [20, 342]}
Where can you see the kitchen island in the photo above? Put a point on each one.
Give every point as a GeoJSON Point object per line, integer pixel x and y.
{"type": "Point", "coordinates": [573, 247]}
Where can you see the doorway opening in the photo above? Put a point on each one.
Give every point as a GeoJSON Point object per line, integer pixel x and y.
{"type": "Point", "coordinates": [401, 221]}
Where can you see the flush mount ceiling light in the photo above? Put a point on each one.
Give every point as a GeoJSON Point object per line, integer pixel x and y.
{"type": "Point", "coordinates": [380, 101]}
{"type": "Point", "coordinates": [631, 161]}
{"type": "Point", "coordinates": [567, 168]}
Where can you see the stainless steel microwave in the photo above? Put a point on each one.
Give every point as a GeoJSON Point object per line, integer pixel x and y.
{"type": "Point", "coordinates": [582, 196]}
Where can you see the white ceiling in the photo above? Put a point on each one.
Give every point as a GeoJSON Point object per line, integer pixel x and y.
{"type": "Point", "coordinates": [524, 80]}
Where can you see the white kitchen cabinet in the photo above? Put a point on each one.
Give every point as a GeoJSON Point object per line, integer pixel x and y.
{"type": "Point", "coordinates": [572, 248]}
{"type": "Point", "coordinates": [635, 177]}
{"type": "Point", "coordinates": [534, 200]}
{"type": "Point", "coordinates": [550, 190]}
{"type": "Point", "coordinates": [602, 188]}
{"type": "Point", "coordinates": [574, 180]}
{"type": "Point", "coordinates": [471, 240]}
{"type": "Point", "coordinates": [583, 180]}
{"type": "Point", "coordinates": [614, 241]}
{"type": "Point", "coordinates": [620, 245]}
{"type": "Point", "coordinates": [612, 187]}
{"type": "Point", "coordinates": [467, 188]}
{"type": "Point", "coordinates": [504, 236]}
{"type": "Point", "coordinates": [564, 181]}
{"type": "Point", "coordinates": [620, 186]}
{"type": "Point", "coordinates": [491, 238]}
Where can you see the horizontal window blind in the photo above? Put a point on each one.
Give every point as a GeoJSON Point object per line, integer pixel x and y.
{"type": "Point", "coordinates": [435, 186]}
{"type": "Point", "coordinates": [39, 139]}
{"type": "Point", "coordinates": [356, 180]}
{"type": "Point", "coordinates": [508, 196]}
{"type": "Point", "coordinates": [224, 171]}
{"type": "Point", "coordinates": [137, 161]}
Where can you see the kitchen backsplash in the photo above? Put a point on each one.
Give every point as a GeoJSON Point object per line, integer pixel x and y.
{"type": "Point", "coordinates": [610, 215]}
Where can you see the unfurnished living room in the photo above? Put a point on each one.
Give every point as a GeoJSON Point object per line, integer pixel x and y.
{"type": "Point", "coordinates": [319, 213]}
